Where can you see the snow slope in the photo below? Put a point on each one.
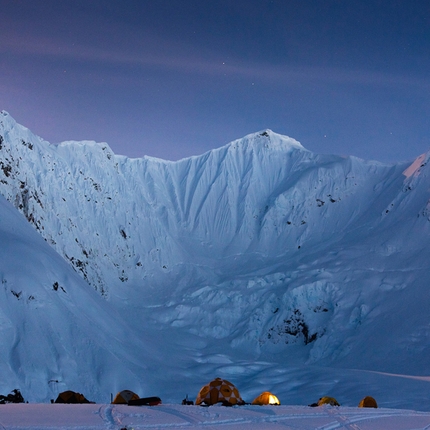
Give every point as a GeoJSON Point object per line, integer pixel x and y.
{"type": "Point", "coordinates": [261, 262]}
{"type": "Point", "coordinates": [53, 327]}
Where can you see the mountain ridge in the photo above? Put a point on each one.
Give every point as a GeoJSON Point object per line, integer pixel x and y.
{"type": "Point", "coordinates": [252, 249]}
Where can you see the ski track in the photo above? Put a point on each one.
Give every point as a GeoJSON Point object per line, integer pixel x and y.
{"type": "Point", "coordinates": [212, 418]}
{"type": "Point", "coordinates": [343, 422]}
{"type": "Point", "coordinates": [109, 417]}
{"type": "Point", "coordinates": [171, 416]}
{"type": "Point", "coordinates": [189, 419]}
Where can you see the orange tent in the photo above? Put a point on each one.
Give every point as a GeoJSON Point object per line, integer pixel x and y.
{"type": "Point", "coordinates": [328, 401]}
{"type": "Point", "coordinates": [266, 398]}
{"type": "Point", "coordinates": [71, 397]}
{"type": "Point", "coordinates": [368, 402]}
{"type": "Point", "coordinates": [219, 391]}
{"type": "Point", "coordinates": [124, 396]}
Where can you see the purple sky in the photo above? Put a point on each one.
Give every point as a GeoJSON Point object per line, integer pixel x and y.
{"type": "Point", "coordinates": [174, 78]}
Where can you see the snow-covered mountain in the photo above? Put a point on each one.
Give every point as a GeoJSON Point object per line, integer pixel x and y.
{"type": "Point", "coordinates": [260, 261]}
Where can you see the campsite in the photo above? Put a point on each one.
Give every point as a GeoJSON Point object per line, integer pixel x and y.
{"type": "Point", "coordinates": [218, 405]}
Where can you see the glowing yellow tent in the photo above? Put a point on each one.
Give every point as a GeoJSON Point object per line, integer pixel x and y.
{"type": "Point", "coordinates": [124, 396]}
{"type": "Point", "coordinates": [266, 398]}
{"type": "Point", "coordinates": [368, 402]}
{"type": "Point", "coordinates": [219, 391]}
{"type": "Point", "coordinates": [328, 401]}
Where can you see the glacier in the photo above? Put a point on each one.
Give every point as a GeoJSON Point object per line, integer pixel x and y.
{"type": "Point", "coordinates": [259, 261]}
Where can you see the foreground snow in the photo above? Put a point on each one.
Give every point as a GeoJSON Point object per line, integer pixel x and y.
{"type": "Point", "coordinates": [102, 416]}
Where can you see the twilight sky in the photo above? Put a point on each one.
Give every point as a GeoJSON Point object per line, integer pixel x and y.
{"type": "Point", "coordinates": [174, 78]}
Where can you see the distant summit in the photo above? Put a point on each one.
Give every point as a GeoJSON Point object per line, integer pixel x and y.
{"type": "Point", "coordinates": [268, 139]}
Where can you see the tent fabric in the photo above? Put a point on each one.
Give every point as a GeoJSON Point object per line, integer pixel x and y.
{"type": "Point", "coordinates": [145, 401]}
{"type": "Point", "coordinates": [71, 397]}
{"type": "Point", "coordinates": [368, 402]}
{"type": "Point", "coordinates": [266, 398]}
{"type": "Point", "coordinates": [219, 391]}
{"type": "Point", "coordinates": [328, 401]}
{"type": "Point", "coordinates": [124, 396]}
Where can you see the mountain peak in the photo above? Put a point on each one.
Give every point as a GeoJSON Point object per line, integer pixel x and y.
{"type": "Point", "coordinates": [268, 139]}
{"type": "Point", "coordinates": [415, 167]}
{"type": "Point", "coordinates": [4, 115]}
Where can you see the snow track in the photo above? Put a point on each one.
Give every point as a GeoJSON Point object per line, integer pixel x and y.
{"type": "Point", "coordinates": [117, 417]}
{"type": "Point", "coordinates": [110, 418]}
{"type": "Point", "coordinates": [251, 417]}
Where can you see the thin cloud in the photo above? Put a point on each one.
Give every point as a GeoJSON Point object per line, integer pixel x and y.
{"type": "Point", "coordinates": [160, 55]}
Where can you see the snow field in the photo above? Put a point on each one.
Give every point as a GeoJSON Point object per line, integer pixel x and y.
{"type": "Point", "coordinates": [116, 417]}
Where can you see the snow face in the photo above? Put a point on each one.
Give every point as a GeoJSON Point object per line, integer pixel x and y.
{"type": "Point", "coordinates": [260, 262]}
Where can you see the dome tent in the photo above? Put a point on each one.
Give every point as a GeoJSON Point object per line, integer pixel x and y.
{"type": "Point", "coordinates": [219, 391]}
{"type": "Point", "coordinates": [124, 396]}
{"type": "Point", "coordinates": [71, 397]}
{"type": "Point", "coordinates": [328, 401]}
{"type": "Point", "coordinates": [368, 402]}
{"type": "Point", "coordinates": [266, 398]}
